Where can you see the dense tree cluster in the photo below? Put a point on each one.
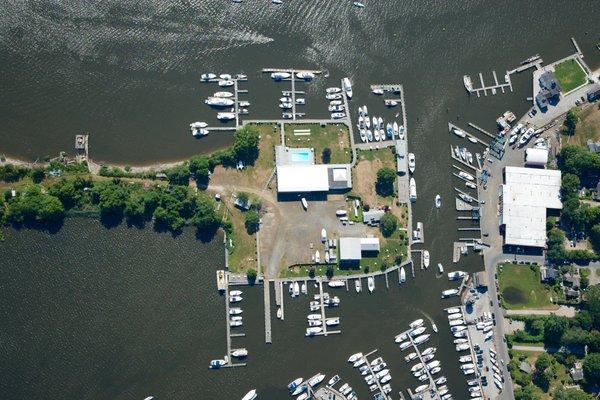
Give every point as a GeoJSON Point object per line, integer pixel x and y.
{"type": "Point", "coordinates": [388, 224]}
{"type": "Point", "coordinates": [33, 206]}
{"type": "Point", "coordinates": [385, 182]}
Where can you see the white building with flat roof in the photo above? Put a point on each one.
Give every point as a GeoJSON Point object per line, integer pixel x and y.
{"type": "Point", "coordinates": [302, 178]}
{"type": "Point", "coordinates": [526, 196]}
{"type": "Point", "coordinates": [351, 248]}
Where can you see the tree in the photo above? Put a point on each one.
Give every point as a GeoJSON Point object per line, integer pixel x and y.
{"type": "Point", "coordinates": [32, 206]}
{"type": "Point", "coordinates": [562, 393]}
{"type": "Point", "coordinates": [591, 367]}
{"type": "Point", "coordinates": [205, 218]}
{"type": "Point", "coordinates": [593, 304]}
{"type": "Point", "coordinates": [134, 207]}
{"type": "Point", "coordinates": [326, 155]}
{"type": "Point", "coordinates": [251, 275]}
{"type": "Point", "coordinates": [200, 167]}
{"type": "Point", "coordinates": [554, 328]}
{"type": "Point", "coordinates": [252, 221]}
{"type": "Point", "coordinates": [535, 327]}
{"type": "Point", "coordinates": [569, 186]}
{"type": "Point", "coordinates": [111, 197]}
{"type": "Point", "coordinates": [329, 272]}
{"type": "Point", "coordinates": [385, 182]}
{"type": "Point", "coordinates": [543, 362]}
{"type": "Point", "coordinates": [66, 192]}
{"type": "Point", "coordinates": [37, 175]}
{"type": "Point", "coordinates": [12, 173]}
{"type": "Point", "coordinates": [526, 393]}
{"type": "Point", "coordinates": [179, 175]}
{"type": "Point", "coordinates": [245, 144]}
{"type": "Point", "coordinates": [595, 237]}
{"type": "Point", "coordinates": [576, 336]}
{"type": "Point", "coordinates": [571, 121]}
{"type": "Point", "coordinates": [584, 320]}
{"type": "Point", "coordinates": [388, 224]}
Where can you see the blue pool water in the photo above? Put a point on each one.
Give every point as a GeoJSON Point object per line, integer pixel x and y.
{"type": "Point", "coordinates": [300, 156]}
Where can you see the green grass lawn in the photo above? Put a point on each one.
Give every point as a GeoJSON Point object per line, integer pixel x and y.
{"type": "Point", "coordinates": [521, 288]}
{"type": "Point", "coordinates": [333, 136]}
{"type": "Point", "coordinates": [570, 75]}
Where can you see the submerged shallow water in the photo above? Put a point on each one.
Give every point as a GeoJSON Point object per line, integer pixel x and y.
{"type": "Point", "coordinates": [95, 313]}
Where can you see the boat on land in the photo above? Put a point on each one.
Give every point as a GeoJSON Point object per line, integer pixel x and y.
{"type": "Point", "coordinates": [453, 276]}
{"type": "Point", "coordinates": [402, 275]}
{"type": "Point", "coordinates": [468, 83]}
{"type": "Point", "coordinates": [440, 268]}
{"type": "Point", "coordinates": [411, 163]}
{"type": "Point", "coordinates": [323, 235]}
{"type": "Point", "coordinates": [426, 258]}
{"type": "Point", "coordinates": [219, 102]}
{"type": "Point", "coordinates": [240, 353]}
{"type": "Point", "coordinates": [317, 257]}
{"type": "Point", "coordinates": [438, 201]}
{"type": "Point", "coordinates": [416, 323]}
{"type": "Point", "coordinates": [371, 283]}
{"type": "Point", "coordinates": [347, 85]}
{"type": "Point", "coordinates": [207, 77]}
{"type": "Point", "coordinates": [280, 75]}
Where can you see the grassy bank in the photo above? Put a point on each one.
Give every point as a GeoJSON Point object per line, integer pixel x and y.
{"type": "Point", "coordinates": [521, 288]}
{"type": "Point", "coordinates": [570, 75]}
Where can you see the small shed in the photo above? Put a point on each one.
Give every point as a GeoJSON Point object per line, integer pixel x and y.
{"type": "Point", "coordinates": [525, 367]}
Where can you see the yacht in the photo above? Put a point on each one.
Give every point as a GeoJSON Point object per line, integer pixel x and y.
{"type": "Point", "coordinates": [412, 187]}
{"type": "Point", "coordinates": [315, 380]}
{"type": "Point", "coordinates": [405, 345]}
{"type": "Point", "coordinates": [225, 116]}
{"type": "Point", "coordinates": [449, 292]}
{"type": "Point", "coordinates": [426, 258]}
{"type": "Point", "coordinates": [307, 76]}
{"type": "Point", "coordinates": [219, 102]}
{"type": "Point", "coordinates": [459, 133]}
{"type": "Point", "coordinates": [347, 85]}
{"type": "Point", "coordinates": [416, 323]}
{"type": "Point", "coordinates": [355, 357]}
{"type": "Point", "coordinates": [371, 283]}
{"type": "Point", "coordinates": [438, 201]}
{"type": "Point", "coordinates": [333, 90]}
{"type": "Point", "coordinates": [421, 339]}
{"type": "Point", "coordinates": [223, 94]}
{"type": "Point", "coordinates": [280, 75]}
{"type": "Point", "coordinates": [429, 350]}
{"type": "Point", "coordinates": [402, 275]}
{"type": "Point", "coordinates": [207, 77]}
{"type": "Point", "coordinates": [226, 83]}
{"type": "Point", "coordinates": [411, 163]}
{"type": "Point", "coordinates": [468, 83]}
{"type": "Point", "coordinates": [417, 331]}
{"type": "Point", "coordinates": [239, 353]}
{"type": "Point", "coordinates": [401, 337]}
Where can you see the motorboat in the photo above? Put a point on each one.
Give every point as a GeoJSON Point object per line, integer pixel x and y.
{"type": "Point", "coordinates": [317, 257]}
{"type": "Point", "coordinates": [433, 364]}
{"type": "Point", "coordinates": [287, 115]}
{"type": "Point", "coordinates": [461, 341]}
{"type": "Point", "coordinates": [369, 133]}
{"type": "Point", "coordinates": [226, 83]}
{"type": "Point", "coordinates": [198, 125]}
{"type": "Point", "coordinates": [363, 135]}
{"type": "Point", "coordinates": [316, 322]}
{"type": "Point", "coordinates": [354, 357]}
{"type": "Point", "coordinates": [365, 110]}
{"type": "Point", "coordinates": [241, 77]}
{"type": "Point", "coordinates": [456, 322]}
{"type": "Point", "coordinates": [347, 85]}
{"type": "Point", "coordinates": [379, 367]}
{"type": "Point", "coordinates": [472, 139]}
{"type": "Point", "coordinates": [235, 311]}
{"type": "Point", "coordinates": [468, 83]}
{"type": "Point", "coordinates": [417, 331]}
{"type": "Point", "coordinates": [416, 323]}
{"type": "Point", "coordinates": [411, 357]}
{"type": "Point", "coordinates": [461, 334]}
{"type": "Point", "coordinates": [336, 103]}
{"type": "Point", "coordinates": [236, 293]}
{"type": "Point", "coordinates": [470, 185]}
{"type": "Point", "coordinates": [426, 258]}
{"type": "Point", "coordinates": [434, 327]}
{"type": "Point", "coordinates": [299, 389]}
{"type": "Point", "coordinates": [453, 276]}
{"type": "Point", "coordinates": [469, 157]}
{"type": "Point", "coordinates": [463, 153]}
{"type": "Point", "coordinates": [421, 388]}
{"type": "Point", "coordinates": [338, 115]}
{"type": "Point", "coordinates": [385, 379]}
{"type": "Point", "coordinates": [225, 95]}
{"type": "Point", "coordinates": [465, 359]}
{"type": "Point", "coordinates": [332, 321]}
{"type": "Point", "coordinates": [304, 203]}
{"type": "Point", "coordinates": [285, 99]}
{"type": "Point", "coordinates": [240, 353]}
{"type": "Point", "coordinates": [441, 380]}
{"type": "Point", "coordinates": [435, 370]}
{"type": "Point", "coordinates": [394, 129]}
{"type": "Point", "coordinates": [382, 373]}
{"type": "Point", "coordinates": [280, 75]}
{"type": "Point", "coordinates": [467, 366]}
{"type": "Point", "coordinates": [390, 103]}
{"type": "Point", "coordinates": [458, 328]}
{"type": "Point", "coordinates": [468, 371]}
{"type": "Point", "coordinates": [465, 197]}
{"type": "Point", "coordinates": [422, 339]}
{"type": "Point", "coordinates": [371, 284]}
{"type": "Point", "coordinates": [376, 135]}
{"type": "Point", "coordinates": [303, 288]}
{"type": "Point", "coordinates": [333, 96]}
{"type": "Point", "coordinates": [285, 106]}
{"type": "Point", "coordinates": [207, 77]}
{"type": "Point", "coordinates": [401, 131]}
{"type": "Point", "coordinates": [236, 323]}
{"type": "Point", "coordinates": [294, 384]}
{"type": "Point", "coordinates": [402, 275]}
{"type": "Point", "coordinates": [453, 317]}
{"type": "Point", "coordinates": [377, 91]}
{"type": "Point", "coordinates": [380, 122]}
{"type": "Point", "coordinates": [530, 59]}
{"type": "Point", "coordinates": [440, 268]}
{"type": "Point", "coordinates": [334, 380]}
{"type": "Point", "coordinates": [416, 367]}
{"type": "Point", "coordinates": [331, 90]}
{"type": "Point", "coordinates": [412, 190]}
{"type": "Point", "coordinates": [466, 175]}
{"type": "Point", "coordinates": [313, 317]}
{"type": "Point", "coordinates": [453, 310]}
{"type": "Point", "coordinates": [344, 388]}
{"type": "Point", "coordinates": [199, 132]}
{"type": "Point", "coordinates": [296, 289]}
{"type": "Point", "coordinates": [358, 286]}
{"type": "Point", "coordinates": [225, 116]}
{"type": "Point", "coordinates": [219, 362]}
{"type": "Point", "coordinates": [449, 293]}
{"type": "Point", "coordinates": [405, 345]}
{"type": "Point", "coordinates": [335, 108]}
{"type": "Point", "coordinates": [336, 283]}
{"type": "Point", "coordinates": [327, 257]}
{"type": "Point", "coordinates": [401, 337]}
{"type": "Point", "coordinates": [375, 123]}
{"type": "Point", "coordinates": [462, 347]}
{"type": "Point", "coordinates": [315, 380]}
{"type": "Point", "coordinates": [429, 350]}
{"type": "Point", "coordinates": [389, 131]}
{"type": "Point", "coordinates": [306, 75]}
{"type": "Point", "coordinates": [459, 133]}
{"type": "Point", "coordinates": [235, 299]}
{"type": "Point", "coordinates": [438, 201]}
{"type": "Point", "coordinates": [313, 330]}
{"type": "Point", "coordinates": [219, 102]}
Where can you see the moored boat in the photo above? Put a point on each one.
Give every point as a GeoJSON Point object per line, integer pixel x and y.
{"type": "Point", "coordinates": [371, 283]}
{"type": "Point", "coordinates": [440, 268]}
{"type": "Point", "coordinates": [426, 258]}
{"type": "Point", "coordinates": [280, 75]}
{"type": "Point", "coordinates": [438, 201]}
{"type": "Point", "coordinates": [416, 323]}
{"type": "Point", "coordinates": [402, 275]}
{"type": "Point", "coordinates": [239, 353]}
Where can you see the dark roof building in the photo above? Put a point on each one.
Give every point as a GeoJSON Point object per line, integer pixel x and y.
{"type": "Point", "coordinates": [549, 90]}
{"type": "Point", "coordinates": [572, 280]}
{"type": "Point", "coordinates": [548, 274]}
{"type": "Point", "coordinates": [594, 92]}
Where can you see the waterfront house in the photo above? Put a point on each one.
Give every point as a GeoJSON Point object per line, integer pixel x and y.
{"type": "Point", "coordinates": [549, 93]}
{"type": "Point", "coordinates": [576, 372]}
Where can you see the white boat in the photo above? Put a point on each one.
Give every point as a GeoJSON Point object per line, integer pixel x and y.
{"type": "Point", "coordinates": [285, 106]}
{"type": "Point", "coordinates": [224, 95]}
{"type": "Point", "coordinates": [226, 83]}
{"type": "Point", "coordinates": [441, 380]}
{"type": "Point", "coordinates": [198, 125]}
{"type": "Point", "coordinates": [465, 197]}
{"type": "Point", "coordinates": [315, 323]}
{"type": "Point", "coordinates": [358, 286]}
{"type": "Point", "coordinates": [323, 235]}
{"type": "Point", "coordinates": [315, 380]}
{"type": "Point", "coordinates": [433, 364]}
{"type": "Point", "coordinates": [405, 345]}
{"type": "Point", "coordinates": [347, 85]}
{"type": "Point", "coordinates": [338, 115]}
{"type": "Point", "coordinates": [287, 115]}
{"type": "Point", "coordinates": [411, 163]}
{"type": "Point", "coordinates": [385, 379]}
{"type": "Point", "coordinates": [304, 203]}
{"type": "Point", "coordinates": [412, 189]}
{"type": "Point", "coordinates": [462, 347]}
{"type": "Point", "coordinates": [377, 91]}
{"type": "Point", "coordinates": [401, 131]}
{"type": "Point", "coordinates": [332, 321]}
{"type": "Point", "coordinates": [472, 139]}
{"type": "Point", "coordinates": [371, 283]}
{"type": "Point", "coordinates": [225, 77]}
{"type": "Point", "coordinates": [334, 380]}
{"type": "Point", "coordinates": [465, 175]}
{"type": "Point", "coordinates": [421, 388]}
{"type": "Point", "coordinates": [219, 102]}
{"type": "Point", "coordinates": [294, 384]}
{"type": "Point", "coordinates": [463, 153]}
{"type": "Point", "coordinates": [461, 341]}
{"type": "Point", "coordinates": [465, 359]}
{"type": "Point", "coordinates": [296, 289]}
{"type": "Point", "coordinates": [336, 103]}
{"type": "Point", "coordinates": [458, 328]}
{"type": "Point", "coordinates": [455, 322]}
{"type": "Point", "coordinates": [317, 257]}
{"type": "Point", "coordinates": [236, 318]}
{"type": "Point", "coordinates": [299, 389]}
{"type": "Point", "coordinates": [428, 351]}
{"type": "Point", "coordinates": [380, 123]}
{"type": "Point", "coordinates": [390, 103]}
{"type": "Point", "coordinates": [280, 75]}
{"type": "Point", "coordinates": [333, 96]}
{"type": "Point", "coordinates": [422, 339]}
{"type": "Point", "coordinates": [235, 299]}
{"type": "Point", "coordinates": [218, 363]}
{"type": "Point", "coordinates": [207, 77]}
{"type": "Point", "coordinates": [426, 258]}
{"type": "Point", "coordinates": [469, 157]}
{"type": "Point", "coordinates": [336, 284]}
{"type": "Point", "coordinates": [199, 132]}
{"type": "Point", "coordinates": [363, 136]}
{"type": "Point", "coordinates": [365, 111]}
{"type": "Point", "coordinates": [438, 201]}
{"type": "Point", "coordinates": [468, 83]}
{"type": "Point", "coordinates": [453, 310]}
{"type": "Point", "coordinates": [344, 387]}
{"type": "Point", "coordinates": [389, 131]}
{"type": "Point", "coordinates": [354, 357]}
{"type": "Point", "coordinates": [416, 323]}
{"type": "Point", "coordinates": [369, 134]}
{"type": "Point", "coordinates": [376, 135]}
{"type": "Point", "coordinates": [449, 292]}
{"type": "Point", "coordinates": [453, 276]}
{"type": "Point", "coordinates": [234, 324]}
{"type": "Point", "coordinates": [453, 317]}
{"type": "Point", "coordinates": [435, 370]}
{"type": "Point", "coordinates": [303, 288]}
{"type": "Point", "coordinates": [240, 353]}
{"type": "Point", "coordinates": [402, 275]}
{"type": "Point", "coordinates": [417, 331]}
{"type": "Point", "coordinates": [434, 327]}
{"type": "Point", "coordinates": [333, 90]}
{"type": "Point", "coordinates": [313, 330]}
{"type": "Point", "coordinates": [395, 129]}
{"type": "Point", "coordinates": [235, 310]}
{"type": "Point", "coordinates": [335, 108]}
{"type": "Point", "coordinates": [459, 133]}
{"type": "Point", "coordinates": [411, 357]}
{"type": "Point", "coordinates": [285, 99]}
{"type": "Point", "coordinates": [236, 292]}
{"type": "Point", "coordinates": [241, 77]}
{"type": "Point", "coordinates": [375, 123]}
{"type": "Point", "coordinates": [225, 116]}
{"type": "Point", "coordinates": [401, 337]}
{"type": "Point", "coordinates": [440, 268]}
{"type": "Point", "coordinates": [306, 75]}
{"type": "Point", "coordinates": [470, 185]}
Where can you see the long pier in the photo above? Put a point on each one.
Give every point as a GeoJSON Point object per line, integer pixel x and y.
{"type": "Point", "coordinates": [267, 299]}
{"type": "Point", "coordinates": [230, 364]}
{"type": "Point", "coordinates": [472, 125]}
{"type": "Point", "coordinates": [451, 126]}
{"type": "Point", "coordinates": [368, 364]}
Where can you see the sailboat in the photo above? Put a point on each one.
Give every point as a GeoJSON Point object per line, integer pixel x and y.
{"type": "Point", "coordinates": [402, 275]}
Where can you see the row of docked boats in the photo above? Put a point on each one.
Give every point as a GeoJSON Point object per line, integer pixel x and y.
{"type": "Point", "coordinates": [284, 75]}
{"type": "Point", "coordinates": [372, 129]}
{"type": "Point", "coordinates": [462, 134]}
{"type": "Point", "coordinates": [299, 387]}
{"type": "Point", "coordinates": [375, 372]}
{"type": "Point", "coordinates": [224, 80]}
{"type": "Point", "coordinates": [336, 104]}
{"type": "Point", "coordinates": [235, 319]}
{"type": "Point", "coordinates": [463, 154]}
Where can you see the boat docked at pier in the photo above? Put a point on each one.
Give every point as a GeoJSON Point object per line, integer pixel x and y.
{"type": "Point", "coordinates": [468, 83]}
{"type": "Point", "coordinates": [280, 75]}
{"type": "Point", "coordinates": [207, 77]}
{"type": "Point", "coordinates": [240, 353]}
{"type": "Point", "coordinates": [412, 190]}
{"type": "Point", "coordinates": [411, 163]}
{"type": "Point", "coordinates": [416, 323]}
{"type": "Point", "coordinates": [426, 258]}
{"type": "Point", "coordinates": [402, 275]}
{"type": "Point", "coordinates": [466, 175]}
{"type": "Point", "coordinates": [371, 284]}
{"type": "Point", "coordinates": [449, 293]}
{"type": "Point", "coordinates": [306, 75]}
{"type": "Point", "coordinates": [453, 276]}
{"type": "Point", "coordinates": [219, 102]}
{"type": "Point", "coordinates": [347, 86]}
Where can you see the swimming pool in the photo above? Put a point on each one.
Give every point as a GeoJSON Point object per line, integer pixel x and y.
{"type": "Point", "coordinates": [300, 156]}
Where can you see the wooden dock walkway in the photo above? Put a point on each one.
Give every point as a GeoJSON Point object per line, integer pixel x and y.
{"type": "Point", "coordinates": [267, 300]}
{"type": "Point", "coordinates": [492, 88]}
{"type": "Point", "coordinates": [270, 70]}
{"type": "Point", "coordinates": [371, 372]}
{"type": "Point", "coordinates": [472, 125]}
{"type": "Point", "coordinates": [451, 126]}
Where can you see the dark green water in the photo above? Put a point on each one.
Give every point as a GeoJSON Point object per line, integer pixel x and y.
{"type": "Point", "coordinates": [91, 313]}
